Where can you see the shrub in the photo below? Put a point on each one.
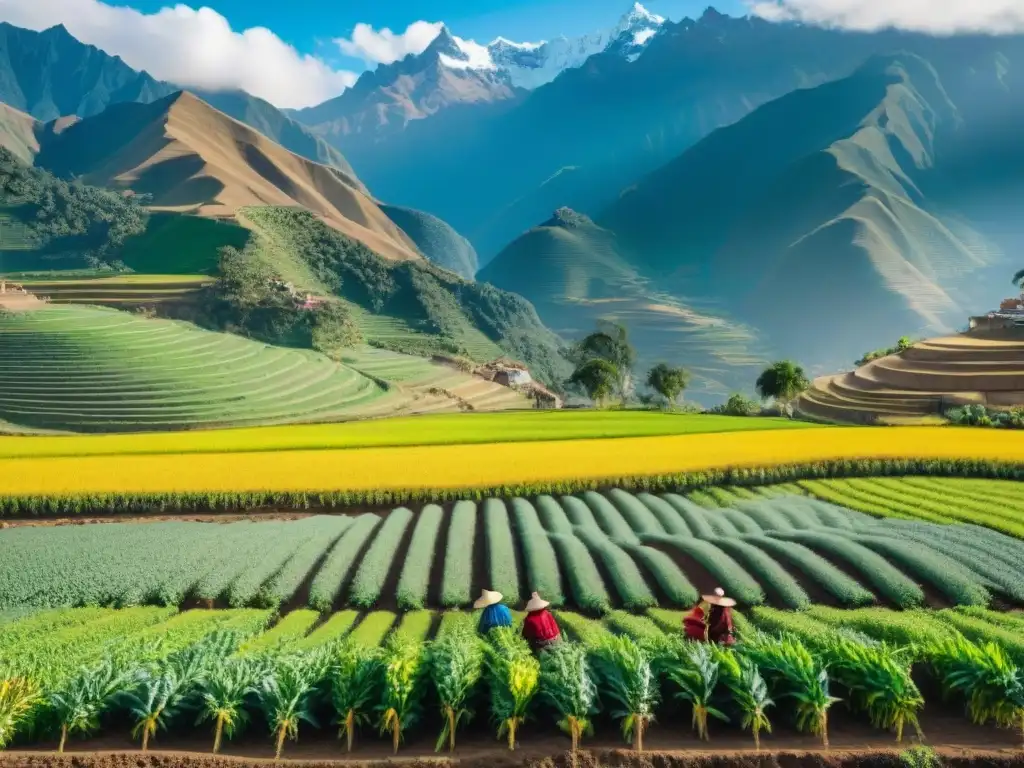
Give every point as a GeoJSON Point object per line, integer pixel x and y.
{"type": "Point", "coordinates": [738, 405]}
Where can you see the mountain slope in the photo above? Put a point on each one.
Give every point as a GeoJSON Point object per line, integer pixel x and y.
{"type": "Point", "coordinates": [575, 273]}
{"type": "Point", "coordinates": [826, 205]}
{"type": "Point", "coordinates": [825, 223]}
{"type": "Point", "coordinates": [621, 120]}
{"type": "Point", "coordinates": [189, 157]}
{"type": "Point", "coordinates": [18, 133]}
{"type": "Point", "coordinates": [439, 242]}
{"type": "Point", "coordinates": [50, 75]}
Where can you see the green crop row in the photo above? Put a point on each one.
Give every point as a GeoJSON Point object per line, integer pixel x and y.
{"type": "Point", "coordinates": [457, 578]}
{"type": "Point", "coordinates": [415, 578]}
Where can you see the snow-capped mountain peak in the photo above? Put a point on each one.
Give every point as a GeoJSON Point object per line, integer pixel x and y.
{"type": "Point", "coordinates": [531, 65]}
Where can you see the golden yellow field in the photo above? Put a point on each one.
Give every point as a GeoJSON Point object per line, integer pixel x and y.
{"type": "Point", "coordinates": [491, 465]}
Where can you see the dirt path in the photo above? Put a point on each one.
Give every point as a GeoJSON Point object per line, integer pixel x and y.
{"type": "Point", "coordinates": [853, 745]}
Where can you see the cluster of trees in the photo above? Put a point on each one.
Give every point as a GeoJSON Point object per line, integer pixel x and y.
{"type": "Point", "coordinates": [605, 360]}
{"type": "Point", "coordinates": [71, 222]}
{"type": "Point", "coordinates": [247, 299]}
{"type": "Point", "coordinates": [604, 363]}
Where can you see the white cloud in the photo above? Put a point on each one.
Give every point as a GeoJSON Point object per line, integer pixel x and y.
{"type": "Point", "coordinates": [190, 47]}
{"type": "Point", "coordinates": [387, 47]}
{"type": "Point", "coordinates": [940, 17]}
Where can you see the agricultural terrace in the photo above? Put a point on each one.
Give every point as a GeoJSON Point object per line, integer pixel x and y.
{"type": "Point", "coordinates": [219, 679]}
{"type": "Point", "coordinates": [591, 552]}
{"type": "Point", "coordinates": [40, 484]}
{"type": "Point", "coordinates": [118, 291]}
{"type": "Point", "coordinates": [95, 369]}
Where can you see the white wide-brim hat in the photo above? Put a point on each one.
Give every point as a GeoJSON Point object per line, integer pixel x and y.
{"type": "Point", "coordinates": [487, 598]}
{"type": "Point", "coordinates": [719, 598]}
{"type": "Point", "coordinates": [537, 603]}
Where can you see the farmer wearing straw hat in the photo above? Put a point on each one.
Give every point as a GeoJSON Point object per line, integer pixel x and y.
{"type": "Point", "coordinates": [495, 613]}
{"type": "Point", "coordinates": [540, 628]}
{"type": "Point", "coordinates": [710, 621]}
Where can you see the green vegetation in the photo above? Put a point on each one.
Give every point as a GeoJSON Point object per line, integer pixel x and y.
{"type": "Point", "coordinates": [594, 552]}
{"type": "Point", "coordinates": [668, 382]}
{"type": "Point", "coordinates": [435, 311]}
{"type": "Point", "coordinates": [781, 381]}
{"type": "Point", "coordinates": [905, 342]}
{"type": "Point", "coordinates": [92, 369]}
{"type": "Point", "coordinates": [70, 673]}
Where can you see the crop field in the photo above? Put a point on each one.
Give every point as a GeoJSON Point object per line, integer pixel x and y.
{"type": "Point", "coordinates": [378, 474]}
{"type": "Point", "coordinates": [120, 291]}
{"type": "Point", "coordinates": [93, 369]}
{"type": "Point", "coordinates": [439, 429]}
{"type": "Point", "coordinates": [991, 503]}
{"type": "Point", "coordinates": [592, 552]}
{"type": "Point", "coordinates": [70, 674]}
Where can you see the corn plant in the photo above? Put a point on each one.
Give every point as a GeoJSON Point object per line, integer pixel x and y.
{"type": "Point", "coordinates": [456, 662]}
{"type": "Point", "coordinates": [748, 690]}
{"type": "Point", "coordinates": [285, 696]}
{"type": "Point", "coordinates": [222, 695]}
{"type": "Point", "coordinates": [992, 683]}
{"type": "Point", "coordinates": [513, 675]}
{"type": "Point", "coordinates": [18, 697]}
{"type": "Point", "coordinates": [78, 705]}
{"type": "Point", "coordinates": [154, 700]}
{"type": "Point", "coordinates": [879, 681]}
{"type": "Point", "coordinates": [354, 674]}
{"type": "Point", "coordinates": [693, 668]}
{"type": "Point", "coordinates": [627, 679]}
{"type": "Point", "coordinates": [402, 659]}
{"type": "Point", "coordinates": [800, 676]}
{"type": "Point", "coordinates": [567, 683]}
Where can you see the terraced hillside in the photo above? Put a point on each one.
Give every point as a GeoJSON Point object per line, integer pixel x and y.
{"type": "Point", "coordinates": [594, 552]}
{"type": "Point", "coordinates": [120, 291]}
{"type": "Point", "coordinates": [924, 381]}
{"type": "Point", "coordinates": [69, 367]}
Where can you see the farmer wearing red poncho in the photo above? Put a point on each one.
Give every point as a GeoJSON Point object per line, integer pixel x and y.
{"type": "Point", "coordinates": [711, 619]}
{"type": "Point", "coordinates": [539, 628]}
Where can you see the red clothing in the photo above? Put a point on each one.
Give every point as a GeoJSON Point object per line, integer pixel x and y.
{"type": "Point", "coordinates": [720, 630]}
{"type": "Point", "coordinates": [540, 628]}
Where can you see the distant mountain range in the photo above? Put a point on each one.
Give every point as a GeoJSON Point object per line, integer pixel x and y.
{"type": "Point", "coordinates": [51, 75]}
{"type": "Point", "coordinates": [452, 71]}
{"type": "Point", "coordinates": [860, 210]}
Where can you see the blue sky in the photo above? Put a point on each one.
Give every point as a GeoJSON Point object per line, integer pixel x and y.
{"type": "Point", "coordinates": [310, 25]}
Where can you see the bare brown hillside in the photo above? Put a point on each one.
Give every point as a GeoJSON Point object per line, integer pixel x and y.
{"type": "Point", "coordinates": [187, 156]}
{"type": "Point", "coordinates": [18, 133]}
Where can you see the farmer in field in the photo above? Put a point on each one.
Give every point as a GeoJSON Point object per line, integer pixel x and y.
{"type": "Point", "coordinates": [540, 628]}
{"type": "Point", "coordinates": [495, 613]}
{"type": "Point", "coordinates": [710, 621]}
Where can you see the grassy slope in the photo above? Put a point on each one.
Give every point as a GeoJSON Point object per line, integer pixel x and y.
{"type": "Point", "coordinates": [423, 430]}
{"type": "Point", "coordinates": [575, 273]}
{"type": "Point", "coordinates": [89, 369]}
{"type": "Point", "coordinates": [407, 307]}
{"type": "Point", "coordinates": [436, 239]}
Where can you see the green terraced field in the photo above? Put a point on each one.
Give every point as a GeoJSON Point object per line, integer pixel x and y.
{"type": "Point", "coordinates": [993, 503]}
{"type": "Point", "coordinates": [593, 552]}
{"type": "Point", "coordinates": [120, 291]}
{"type": "Point", "coordinates": [69, 367]}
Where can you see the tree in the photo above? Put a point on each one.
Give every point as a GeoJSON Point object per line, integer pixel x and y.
{"type": "Point", "coordinates": [782, 381]}
{"type": "Point", "coordinates": [597, 377]}
{"type": "Point", "coordinates": [667, 381]}
{"type": "Point", "coordinates": [611, 344]}
{"type": "Point", "coordinates": [1018, 278]}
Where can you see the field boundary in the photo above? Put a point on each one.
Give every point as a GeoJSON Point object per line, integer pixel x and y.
{"type": "Point", "coordinates": [706, 757]}
{"type": "Point", "coordinates": [49, 505]}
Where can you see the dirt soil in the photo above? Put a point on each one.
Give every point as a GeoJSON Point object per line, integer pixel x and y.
{"type": "Point", "coordinates": [853, 745]}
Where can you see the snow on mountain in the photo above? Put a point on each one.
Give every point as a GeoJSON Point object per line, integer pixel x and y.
{"type": "Point", "coordinates": [531, 65]}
